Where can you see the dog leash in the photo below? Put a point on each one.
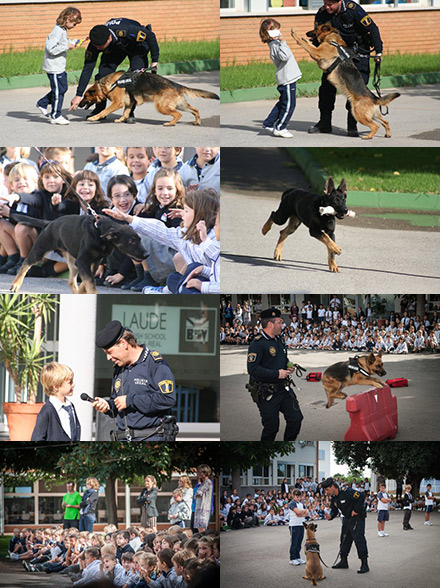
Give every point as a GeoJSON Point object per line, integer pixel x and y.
{"type": "Point", "coordinates": [86, 207]}
{"type": "Point", "coordinates": [314, 548]}
{"type": "Point", "coordinates": [376, 85]}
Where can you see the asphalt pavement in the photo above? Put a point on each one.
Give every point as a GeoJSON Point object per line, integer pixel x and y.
{"type": "Point", "coordinates": [372, 259]}
{"type": "Point", "coordinates": [417, 404]}
{"type": "Point", "coordinates": [414, 118]}
{"type": "Point", "coordinates": [258, 557]}
{"type": "Point", "coordinates": [50, 286]}
{"type": "Point", "coordinates": [21, 118]}
{"type": "Point", "coordinates": [13, 575]}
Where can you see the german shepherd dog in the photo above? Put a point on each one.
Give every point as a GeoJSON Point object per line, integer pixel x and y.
{"type": "Point", "coordinates": [83, 244]}
{"type": "Point", "coordinates": [338, 376]}
{"type": "Point", "coordinates": [168, 97]}
{"type": "Point", "coordinates": [346, 78]}
{"type": "Point", "coordinates": [313, 563]}
{"type": "Point", "coordinates": [300, 206]}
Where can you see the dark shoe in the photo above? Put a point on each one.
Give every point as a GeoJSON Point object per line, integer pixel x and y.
{"type": "Point", "coordinates": [44, 271]}
{"type": "Point", "coordinates": [342, 564]}
{"type": "Point", "coordinates": [147, 281]}
{"type": "Point", "coordinates": [352, 130]}
{"type": "Point", "coordinates": [352, 133]}
{"type": "Point", "coordinates": [130, 120]}
{"type": "Point", "coordinates": [12, 261]}
{"type": "Point", "coordinates": [16, 268]}
{"type": "Point", "coordinates": [139, 277]}
{"type": "Point", "coordinates": [320, 128]}
{"type": "Point", "coordinates": [364, 567]}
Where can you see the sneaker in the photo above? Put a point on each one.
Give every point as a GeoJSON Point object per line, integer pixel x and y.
{"type": "Point", "coordinates": [283, 133]}
{"type": "Point", "coordinates": [43, 111]}
{"type": "Point", "coordinates": [60, 120]}
{"type": "Point", "coordinates": [153, 290]}
{"type": "Point", "coordinates": [385, 534]}
{"type": "Point", "coordinates": [295, 562]}
{"type": "Point", "coordinates": [380, 534]}
{"type": "Point", "coordinates": [270, 129]}
{"type": "Point", "coordinates": [14, 556]}
{"type": "Point", "coordinates": [302, 561]}
{"type": "Point", "coordinates": [429, 523]}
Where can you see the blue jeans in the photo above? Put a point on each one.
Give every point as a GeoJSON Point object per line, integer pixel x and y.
{"type": "Point", "coordinates": [86, 522]}
{"type": "Point", "coordinates": [296, 537]}
{"type": "Point", "coordinates": [280, 115]}
{"type": "Point", "coordinates": [58, 87]}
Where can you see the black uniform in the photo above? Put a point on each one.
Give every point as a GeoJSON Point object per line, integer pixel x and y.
{"type": "Point", "coordinates": [149, 386]}
{"type": "Point", "coordinates": [353, 527]}
{"type": "Point", "coordinates": [360, 33]}
{"type": "Point", "coordinates": [266, 356]}
{"type": "Point", "coordinates": [129, 38]}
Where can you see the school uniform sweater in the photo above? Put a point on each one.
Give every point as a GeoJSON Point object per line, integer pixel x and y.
{"type": "Point", "coordinates": [48, 426]}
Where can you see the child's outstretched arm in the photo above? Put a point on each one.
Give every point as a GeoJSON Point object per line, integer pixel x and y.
{"type": "Point", "coordinates": [118, 215]}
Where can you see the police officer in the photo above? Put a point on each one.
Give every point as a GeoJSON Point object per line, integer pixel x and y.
{"type": "Point", "coordinates": [143, 390]}
{"type": "Point", "coordinates": [116, 39]}
{"type": "Point", "coordinates": [268, 371]}
{"type": "Point", "coordinates": [360, 33]}
{"type": "Point", "coordinates": [351, 503]}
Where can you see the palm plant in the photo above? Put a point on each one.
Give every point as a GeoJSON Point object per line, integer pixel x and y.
{"type": "Point", "coordinates": [22, 322]}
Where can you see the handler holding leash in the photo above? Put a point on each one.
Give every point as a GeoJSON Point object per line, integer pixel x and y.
{"type": "Point", "coordinates": [360, 33]}
{"type": "Point", "coordinates": [118, 38]}
{"type": "Point", "coordinates": [143, 390]}
{"type": "Point", "coordinates": [351, 503]}
{"type": "Point", "coordinates": [270, 384]}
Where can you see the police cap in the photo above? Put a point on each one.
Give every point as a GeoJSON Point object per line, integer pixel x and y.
{"type": "Point", "coordinates": [110, 335]}
{"type": "Point", "coordinates": [271, 313]}
{"type": "Point", "coordinates": [99, 35]}
{"type": "Point", "coordinates": [328, 482]}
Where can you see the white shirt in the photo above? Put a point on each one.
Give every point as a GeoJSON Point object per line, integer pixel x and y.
{"type": "Point", "coordinates": [62, 414]}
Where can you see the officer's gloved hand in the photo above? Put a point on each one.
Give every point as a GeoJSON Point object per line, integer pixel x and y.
{"type": "Point", "coordinates": [153, 68]}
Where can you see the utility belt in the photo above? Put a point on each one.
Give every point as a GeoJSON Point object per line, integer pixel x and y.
{"type": "Point", "coordinates": [168, 429]}
{"type": "Point", "coordinates": [264, 391]}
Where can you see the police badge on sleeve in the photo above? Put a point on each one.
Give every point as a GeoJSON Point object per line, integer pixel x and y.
{"type": "Point", "coordinates": [166, 386]}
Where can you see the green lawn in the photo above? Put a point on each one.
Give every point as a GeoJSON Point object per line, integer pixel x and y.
{"type": "Point", "coordinates": [389, 169]}
{"type": "Point", "coordinates": [4, 544]}
{"type": "Point", "coordinates": [29, 62]}
{"type": "Point", "coordinates": [258, 74]}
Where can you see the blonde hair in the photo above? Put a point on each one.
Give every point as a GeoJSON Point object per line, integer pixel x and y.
{"type": "Point", "coordinates": [268, 24]}
{"type": "Point", "coordinates": [93, 483]}
{"type": "Point", "coordinates": [24, 170]}
{"type": "Point", "coordinates": [53, 375]}
{"type": "Point", "coordinates": [70, 13]}
{"type": "Point", "coordinates": [204, 469]}
{"type": "Point", "coordinates": [108, 549]}
{"type": "Point", "coordinates": [205, 204]}
{"type": "Point", "coordinates": [186, 482]}
{"type": "Point", "coordinates": [152, 478]}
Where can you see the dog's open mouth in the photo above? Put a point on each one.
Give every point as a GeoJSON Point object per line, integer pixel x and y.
{"type": "Point", "coordinates": [85, 104]}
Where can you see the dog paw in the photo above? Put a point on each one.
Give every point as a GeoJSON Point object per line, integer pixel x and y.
{"type": "Point", "coordinates": [196, 123]}
{"type": "Point", "coordinates": [334, 268]}
{"type": "Point", "coordinates": [118, 120]}
{"type": "Point", "coordinates": [169, 124]}
{"type": "Point", "coordinates": [277, 256]}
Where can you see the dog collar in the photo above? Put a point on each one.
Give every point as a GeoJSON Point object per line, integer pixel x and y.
{"type": "Point", "coordinates": [312, 548]}
{"type": "Point", "coordinates": [354, 366]}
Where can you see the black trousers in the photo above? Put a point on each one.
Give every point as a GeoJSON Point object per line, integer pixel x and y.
{"type": "Point", "coordinates": [281, 402]}
{"type": "Point", "coordinates": [327, 92]}
{"type": "Point", "coordinates": [353, 529]}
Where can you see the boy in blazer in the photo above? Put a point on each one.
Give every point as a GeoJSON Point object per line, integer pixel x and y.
{"type": "Point", "coordinates": [57, 420]}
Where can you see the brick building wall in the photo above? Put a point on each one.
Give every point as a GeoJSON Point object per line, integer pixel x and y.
{"type": "Point", "coordinates": [25, 26]}
{"type": "Point", "coordinates": [415, 31]}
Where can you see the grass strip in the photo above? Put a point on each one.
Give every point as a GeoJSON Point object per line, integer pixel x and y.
{"type": "Point", "coordinates": [29, 62]}
{"type": "Point", "coordinates": [258, 74]}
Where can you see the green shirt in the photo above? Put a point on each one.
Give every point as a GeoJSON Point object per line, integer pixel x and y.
{"type": "Point", "coordinates": [72, 514]}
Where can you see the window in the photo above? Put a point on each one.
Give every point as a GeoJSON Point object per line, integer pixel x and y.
{"type": "Point", "coordinates": [305, 470]}
{"type": "Point", "coordinates": [261, 476]}
{"type": "Point", "coordinates": [286, 470]}
{"type": "Point", "coordinates": [321, 455]}
{"type": "Point", "coordinates": [227, 3]}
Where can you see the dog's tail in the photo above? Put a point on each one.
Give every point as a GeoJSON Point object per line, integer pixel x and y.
{"type": "Point", "coordinates": [200, 93]}
{"type": "Point", "coordinates": [384, 100]}
{"type": "Point", "coordinates": [29, 221]}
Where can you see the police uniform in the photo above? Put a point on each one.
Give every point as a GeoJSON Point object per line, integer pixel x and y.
{"type": "Point", "coordinates": [267, 355]}
{"type": "Point", "coordinates": [360, 33]}
{"type": "Point", "coordinates": [148, 384]}
{"type": "Point", "coordinates": [129, 38]}
{"type": "Point", "coordinates": [353, 526]}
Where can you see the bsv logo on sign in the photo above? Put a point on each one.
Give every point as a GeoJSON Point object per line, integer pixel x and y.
{"type": "Point", "coordinates": [197, 330]}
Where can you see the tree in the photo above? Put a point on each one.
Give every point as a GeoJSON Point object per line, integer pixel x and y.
{"type": "Point", "coordinates": [415, 460]}
{"type": "Point", "coordinates": [242, 455]}
{"type": "Point", "coordinates": [22, 322]}
{"type": "Point", "coordinates": [107, 461]}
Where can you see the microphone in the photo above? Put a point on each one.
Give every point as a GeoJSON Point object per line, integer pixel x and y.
{"type": "Point", "coordinates": [86, 397]}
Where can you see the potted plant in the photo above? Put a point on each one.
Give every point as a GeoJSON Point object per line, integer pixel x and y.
{"type": "Point", "coordinates": [22, 321]}
{"type": "Point", "coordinates": [378, 306]}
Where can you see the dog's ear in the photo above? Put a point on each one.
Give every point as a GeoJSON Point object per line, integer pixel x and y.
{"type": "Point", "coordinates": [379, 354]}
{"type": "Point", "coordinates": [110, 234]}
{"type": "Point", "coordinates": [329, 186]}
{"type": "Point", "coordinates": [371, 359]}
{"type": "Point", "coordinates": [343, 187]}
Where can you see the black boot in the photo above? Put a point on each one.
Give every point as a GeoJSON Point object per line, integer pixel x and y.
{"type": "Point", "coordinates": [364, 567]}
{"type": "Point", "coordinates": [98, 108]}
{"type": "Point", "coordinates": [11, 262]}
{"type": "Point", "coordinates": [139, 277]}
{"type": "Point", "coordinates": [342, 564]}
{"type": "Point", "coordinates": [324, 125]}
{"type": "Point", "coordinates": [352, 130]}
{"type": "Point", "coordinates": [147, 281]}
